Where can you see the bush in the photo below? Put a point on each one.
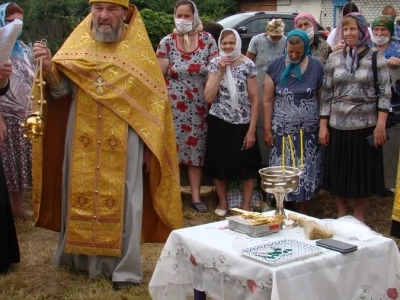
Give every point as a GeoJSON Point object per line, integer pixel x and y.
{"type": "Point", "coordinates": [158, 24]}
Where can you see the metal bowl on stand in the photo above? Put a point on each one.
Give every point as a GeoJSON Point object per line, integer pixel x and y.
{"type": "Point", "coordinates": [280, 181]}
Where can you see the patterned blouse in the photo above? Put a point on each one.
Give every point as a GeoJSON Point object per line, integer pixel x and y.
{"type": "Point", "coordinates": [320, 49]}
{"type": "Point", "coordinates": [17, 99]}
{"type": "Point", "coordinates": [221, 106]}
{"type": "Point", "coordinates": [350, 102]}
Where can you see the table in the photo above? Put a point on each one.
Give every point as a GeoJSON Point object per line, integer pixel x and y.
{"type": "Point", "coordinates": [206, 258]}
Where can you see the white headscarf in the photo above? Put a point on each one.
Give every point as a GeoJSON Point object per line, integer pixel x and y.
{"type": "Point", "coordinates": [228, 72]}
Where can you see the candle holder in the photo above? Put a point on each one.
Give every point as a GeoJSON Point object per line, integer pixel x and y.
{"type": "Point", "coordinates": [280, 181]}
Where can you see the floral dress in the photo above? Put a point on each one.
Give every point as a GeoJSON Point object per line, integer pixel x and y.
{"type": "Point", "coordinates": [186, 78]}
{"type": "Point", "coordinates": [296, 107]}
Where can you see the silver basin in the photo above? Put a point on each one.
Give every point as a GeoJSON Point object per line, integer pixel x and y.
{"type": "Point", "coordinates": [279, 182]}
{"type": "Point", "coordinates": [275, 180]}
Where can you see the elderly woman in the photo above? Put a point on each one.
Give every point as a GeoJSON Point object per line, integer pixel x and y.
{"type": "Point", "coordinates": [291, 105]}
{"type": "Point", "coordinates": [319, 48]}
{"type": "Point", "coordinates": [262, 50]}
{"type": "Point", "coordinates": [335, 38]}
{"type": "Point", "coordinates": [349, 114]}
{"type": "Point", "coordinates": [14, 106]}
{"type": "Point", "coordinates": [382, 37]}
{"type": "Point", "coordinates": [183, 56]}
{"type": "Point", "coordinates": [231, 144]}
{"type": "Point", "coordinates": [9, 249]}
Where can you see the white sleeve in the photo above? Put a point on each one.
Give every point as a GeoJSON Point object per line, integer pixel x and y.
{"type": "Point", "coordinates": [331, 37]}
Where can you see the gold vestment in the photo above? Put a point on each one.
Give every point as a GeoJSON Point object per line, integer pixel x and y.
{"type": "Point", "coordinates": [396, 204]}
{"type": "Point", "coordinates": [132, 93]}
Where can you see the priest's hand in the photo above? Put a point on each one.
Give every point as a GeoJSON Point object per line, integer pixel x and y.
{"type": "Point", "coordinates": [3, 131]}
{"type": "Point", "coordinates": [40, 50]}
{"type": "Point", "coordinates": [146, 159]}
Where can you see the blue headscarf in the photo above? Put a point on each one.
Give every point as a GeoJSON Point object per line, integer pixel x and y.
{"type": "Point", "coordinates": [17, 50]}
{"type": "Point", "coordinates": [294, 67]}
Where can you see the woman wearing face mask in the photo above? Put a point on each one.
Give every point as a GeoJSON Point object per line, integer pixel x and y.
{"type": "Point", "coordinates": [291, 106]}
{"type": "Point", "coordinates": [183, 56]}
{"type": "Point", "coordinates": [231, 144]}
{"type": "Point", "coordinates": [14, 107]}
{"type": "Point", "coordinates": [382, 33]}
{"type": "Point", "coordinates": [349, 114]}
{"type": "Point", "coordinates": [262, 50]}
{"type": "Point", "coordinates": [319, 48]}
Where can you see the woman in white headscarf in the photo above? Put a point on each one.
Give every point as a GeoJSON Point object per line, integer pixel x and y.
{"type": "Point", "coordinates": [183, 56]}
{"type": "Point", "coordinates": [232, 149]}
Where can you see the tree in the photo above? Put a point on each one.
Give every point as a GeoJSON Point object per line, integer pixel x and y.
{"type": "Point", "coordinates": [54, 20]}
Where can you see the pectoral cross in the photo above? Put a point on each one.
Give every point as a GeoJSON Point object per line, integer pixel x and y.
{"type": "Point", "coordinates": [99, 84]}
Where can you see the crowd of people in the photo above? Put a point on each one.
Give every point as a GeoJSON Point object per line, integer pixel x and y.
{"type": "Point", "coordinates": [118, 127]}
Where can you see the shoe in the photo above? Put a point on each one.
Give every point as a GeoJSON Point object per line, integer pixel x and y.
{"type": "Point", "coordinates": [220, 212]}
{"type": "Point", "coordinates": [388, 193]}
{"type": "Point", "coordinates": [120, 285]}
{"type": "Point", "coordinates": [199, 206]}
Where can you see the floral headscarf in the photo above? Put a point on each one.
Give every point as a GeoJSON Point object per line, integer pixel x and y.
{"type": "Point", "coordinates": [294, 67]}
{"type": "Point", "coordinates": [17, 50]}
{"type": "Point", "coordinates": [275, 27]}
{"type": "Point", "coordinates": [349, 7]}
{"type": "Point", "coordinates": [385, 21]}
{"type": "Point", "coordinates": [307, 16]}
{"type": "Point", "coordinates": [197, 25]}
{"type": "Point", "coordinates": [364, 39]}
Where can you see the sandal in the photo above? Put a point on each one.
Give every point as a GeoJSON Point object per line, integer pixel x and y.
{"type": "Point", "coordinates": [199, 206]}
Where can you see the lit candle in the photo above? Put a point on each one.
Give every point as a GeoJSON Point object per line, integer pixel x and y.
{"type": "Point", "coordinates": [292, 150]}
{"type": "Point", "coordinates": [301, 149]}
{"type": "Point", "coordinates": [283, 154]}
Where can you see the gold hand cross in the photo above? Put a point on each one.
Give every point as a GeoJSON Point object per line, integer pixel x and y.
{"type": "Point", "coordinates": [99, 84]}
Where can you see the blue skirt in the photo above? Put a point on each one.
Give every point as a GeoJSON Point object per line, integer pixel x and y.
{"type": "Point", "coordinates": [310, 180]}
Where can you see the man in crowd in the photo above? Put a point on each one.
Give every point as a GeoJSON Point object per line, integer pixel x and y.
{"type": "Point", "coordinates": [390, 11]}
{"type": "Point", "coordinates": [106, 171]}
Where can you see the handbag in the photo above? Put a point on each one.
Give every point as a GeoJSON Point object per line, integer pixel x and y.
{"type": "Point", "coordinates": [234, 195]}
{"type": "Point", "coordinates": [393, 117]}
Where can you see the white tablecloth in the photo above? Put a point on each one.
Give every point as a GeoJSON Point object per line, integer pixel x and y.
{"type": "Point", "coordinates": [207, 258]}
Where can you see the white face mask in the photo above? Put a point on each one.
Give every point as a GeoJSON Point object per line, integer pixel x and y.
{"type": "Point", "coordinates": [310, 32]}
{"type": "Point", "coordinates": [183, 26]}
{"type": "Point", "coordinates": [380, 40]}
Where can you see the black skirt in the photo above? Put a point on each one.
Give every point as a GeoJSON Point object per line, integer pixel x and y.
{"type": "Point", "coordinates": [225, 160]}
{"type": "Point", "coordinates": [395, 229]}
{"type": "Point", "coordinates": [9, 249]}
{"type": "Point", "coordinates": [352, 168]}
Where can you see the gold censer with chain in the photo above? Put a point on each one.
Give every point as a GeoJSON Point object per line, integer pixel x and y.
{"type": "Point", "coordinates": [34, 122]}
